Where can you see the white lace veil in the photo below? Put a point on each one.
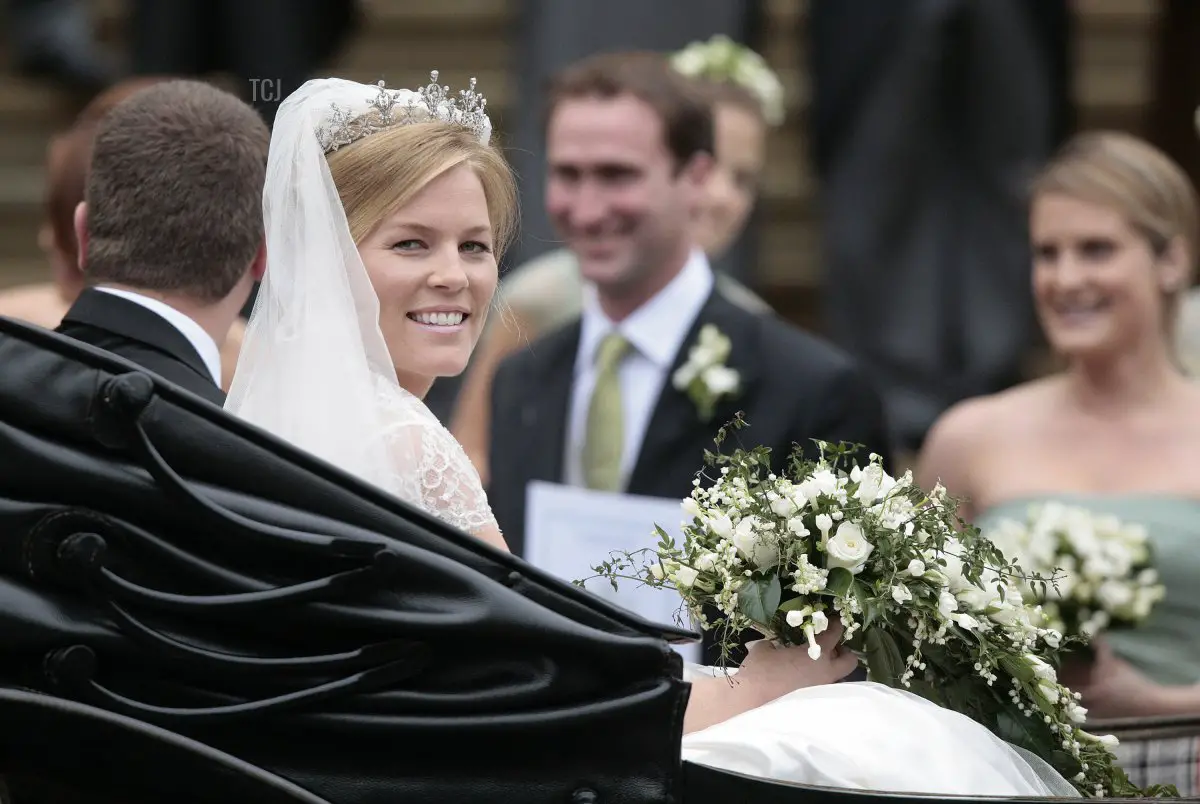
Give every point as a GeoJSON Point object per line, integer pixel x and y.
{"type": "Point", "coordinates": [313, 358]}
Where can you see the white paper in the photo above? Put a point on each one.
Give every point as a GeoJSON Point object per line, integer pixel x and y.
{"type": "Point", "coordinates": [569, 530]}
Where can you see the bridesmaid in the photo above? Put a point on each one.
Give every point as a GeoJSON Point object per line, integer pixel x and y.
{"type": "Point", "coordinates": [1114, 228]}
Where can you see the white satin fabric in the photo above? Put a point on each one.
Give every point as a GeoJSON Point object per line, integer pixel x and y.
{"type": "Point", "coordinates": [867, 736]}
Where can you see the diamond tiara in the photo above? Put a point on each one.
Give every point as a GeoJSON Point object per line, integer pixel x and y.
{"type": "Point", "coordinates": [398, 107]}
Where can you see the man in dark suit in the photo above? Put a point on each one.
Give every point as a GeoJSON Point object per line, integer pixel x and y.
{"type": "Point", "coordinates": [171, 231]}
{"type": "Point", "coordinates": [599, 403]}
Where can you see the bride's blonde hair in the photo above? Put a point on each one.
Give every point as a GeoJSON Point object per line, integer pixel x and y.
{"type": "Point", "coordinates": [381, 173]}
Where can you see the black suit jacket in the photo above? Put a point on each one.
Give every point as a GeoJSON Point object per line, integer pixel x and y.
{"type": "Point", "coordinates": [141, 336]}
{"type": "Point", "coordinates": [795, 387]}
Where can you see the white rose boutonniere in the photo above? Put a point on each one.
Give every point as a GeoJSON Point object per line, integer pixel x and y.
{"type": "Point", "coordinates": [704, 377]}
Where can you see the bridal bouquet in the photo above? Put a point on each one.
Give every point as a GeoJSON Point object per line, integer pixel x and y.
{"type": "Point", "coordinates": [1102, 567]}
{"type": "Point", "coordinates": [930, 605]}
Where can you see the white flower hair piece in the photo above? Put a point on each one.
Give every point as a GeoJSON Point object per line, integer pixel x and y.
{"type": "Point", "coordinates": [723, 60]}
{"type": "Point", "coordinates": [386, 108]}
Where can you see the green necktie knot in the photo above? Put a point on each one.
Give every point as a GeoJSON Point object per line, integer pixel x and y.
{"type": "Point", "coordinates": [611, 350]}
{"type": "Point", "coordinates": [605, 439]}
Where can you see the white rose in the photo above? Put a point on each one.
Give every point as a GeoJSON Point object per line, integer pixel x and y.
{"type": "Point", "coordinates": [799, 500]}
{"type": "Point", "coordinates": [869, 485]}
{"type": "Point", "coordinates": [782, 506]}
{"type": "Point", "coordinates": [954, 566]}
{"type": "Point", "coordinates": [706, 562]}
{"type": "Point", "coordinates": [721, 526]}
{"type": "Point", "coordinates": [822, 482]}
{"type": "Point", "coordinates": [901, 594]}
{"type": "Point", "coordinates": [947, 605]}
{"type": "Point", "coordinates": [848, 548]}
{"type": "Point", "coordinates": [755, 543]}
{"type": "Point", "coordinates": [685, 577]}
{"type": "Point", "coordinates": [916, 568]}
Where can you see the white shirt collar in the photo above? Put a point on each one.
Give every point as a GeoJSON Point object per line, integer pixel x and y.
{"type": "Point", "coordinates": [657, 328]}
{"type": "Point", "coordinates": [200, 340]}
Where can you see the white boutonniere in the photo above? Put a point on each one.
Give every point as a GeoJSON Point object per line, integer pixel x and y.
{"type": "Point", "coordinates": [704, 377]}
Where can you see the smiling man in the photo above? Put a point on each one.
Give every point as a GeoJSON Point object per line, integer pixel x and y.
{"type": "Point", "coordinates": [598, 403]}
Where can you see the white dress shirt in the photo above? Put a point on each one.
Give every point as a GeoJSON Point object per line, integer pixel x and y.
{"type": "Point", "coordinates": [200, 340]}
{"type": "Point", "coordinates": [655, 331]}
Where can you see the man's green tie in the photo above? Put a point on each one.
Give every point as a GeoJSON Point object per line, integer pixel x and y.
{"type": "Point", "coordinates": [605, 436]}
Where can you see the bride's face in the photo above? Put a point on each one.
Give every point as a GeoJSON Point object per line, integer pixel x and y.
{"type": "Point", "coordinates": [434, 270]}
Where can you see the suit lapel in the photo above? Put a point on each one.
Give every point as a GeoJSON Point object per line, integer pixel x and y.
{"type": "Point", "coordinates": [548, 402]}
{"type": "Point", "coordinates": [676, 430]}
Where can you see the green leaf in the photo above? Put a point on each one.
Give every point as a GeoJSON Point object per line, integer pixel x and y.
{"type": "Point", "coordinates": [839, 581]}
{"type": "Point", "coordinates": [758, 599]}
{"type": "Point", "coordinates": [795, 603]}
{"type": "Point", "coordinates": [885, 664]}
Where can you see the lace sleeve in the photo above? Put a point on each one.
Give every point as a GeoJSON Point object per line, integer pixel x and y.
{"type": "Point", "coordinates": [431, 469]}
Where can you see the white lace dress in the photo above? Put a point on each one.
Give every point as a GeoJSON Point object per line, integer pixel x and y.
{"type": "Point", "coordinates": [430, 468]}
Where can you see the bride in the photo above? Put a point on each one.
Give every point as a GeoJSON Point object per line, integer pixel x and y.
{"type": "Point", "coordinates": [386, 212]}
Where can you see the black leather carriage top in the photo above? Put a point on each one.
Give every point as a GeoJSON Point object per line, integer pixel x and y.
{"type": "Point", "coordinates": [164, 561]}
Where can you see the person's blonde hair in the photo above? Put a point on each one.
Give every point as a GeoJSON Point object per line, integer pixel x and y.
{"type": "Point", "coordinates": [383, 172]}
{"type": "Point", "coordinates": [1141, 183]}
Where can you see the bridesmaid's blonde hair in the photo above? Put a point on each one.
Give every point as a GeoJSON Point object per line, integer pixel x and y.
{"type": "Point", "coordinates": [1138, 181]}
{"type": "Point", "coordinates": [381, 173]}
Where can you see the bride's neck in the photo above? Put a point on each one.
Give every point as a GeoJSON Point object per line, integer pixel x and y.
{"type": "Point", "coordinates": [417, 386]}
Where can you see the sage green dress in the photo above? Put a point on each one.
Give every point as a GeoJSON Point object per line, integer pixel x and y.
{"type": "Point", "coordinates": [1166, 648]}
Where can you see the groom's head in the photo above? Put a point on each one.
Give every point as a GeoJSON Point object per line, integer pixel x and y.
{"type": "Point", "coordinates": [629, 145]}
{"type": "Point", "coordinates": [174, 198]}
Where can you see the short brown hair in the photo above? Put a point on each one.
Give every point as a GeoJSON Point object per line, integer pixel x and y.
{"type": "Point", "coordinates": [175, 191]}
{"type": "Point", "coordinates": [684, 109]}
{"type": "Point", "coordinates": [383, 172]}
{"type": "Point", "coordinates": [69, 158]}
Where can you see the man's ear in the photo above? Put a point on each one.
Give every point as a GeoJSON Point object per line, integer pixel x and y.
{"type": "Point", "coordinates": [81, 235]}
{"type": "Point", "coordinates": [258, 268]}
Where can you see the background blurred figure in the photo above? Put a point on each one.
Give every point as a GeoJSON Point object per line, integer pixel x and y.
{"type": "Point", "coordinates": [53, 39]}
{"type": "Point", "coordinates": [279, 42]}
{"type": "Point", "coordinates": [553, 34]}
{"type": "Point", "coordinates": [1115, 228]}
{"type": "Point", "coordinates": [547, 292]}
{"type": "Point", "coordinates": [927, 117]}
{"type": "Point", "coordinates": [68, 159]}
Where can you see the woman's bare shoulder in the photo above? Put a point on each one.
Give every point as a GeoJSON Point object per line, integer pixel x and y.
{"type": "Point", "coordinates": [973, 426]}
